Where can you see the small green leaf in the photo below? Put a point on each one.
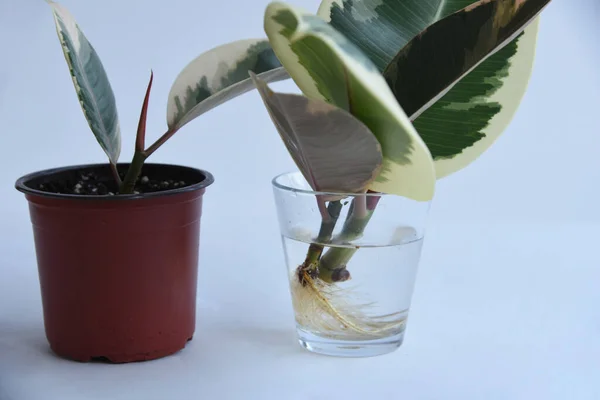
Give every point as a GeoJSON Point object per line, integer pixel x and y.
{"type": "Point", "coordinates": [326, 66]}
{"type": "Point", "coordinates": [91, 82]}
{"type": "Point", "coordinates": [220, 75]}
{"type": "Point", "coordinates": [335, 152]}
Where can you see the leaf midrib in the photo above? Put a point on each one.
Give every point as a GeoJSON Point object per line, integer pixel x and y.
{"type": "Point", "coordinates": [441, 7]}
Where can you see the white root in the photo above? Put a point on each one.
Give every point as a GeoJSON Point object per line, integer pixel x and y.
{"type": "Point", "coordinates": [328, 310]}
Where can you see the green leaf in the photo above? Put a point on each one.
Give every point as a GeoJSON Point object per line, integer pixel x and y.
{"type": "Point", "coordinates": [335, 152]}
{"type": "Point", "coordinates": [326, 66]}
{"type": "Point", "coordinates": [467, 121]}
{"type": "Point", "coordinates": [91, 82]}
{"type": "Point", "coordinates": [464, 123]}
{"type": "Point", "coordinates": [220, 75]}
{"type": "Point", "coordinates": [434, 61]}
{"type": "Point", "coordinates": [380, 28]}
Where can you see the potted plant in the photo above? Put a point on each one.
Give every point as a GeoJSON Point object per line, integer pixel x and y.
{"type": "Point", "coordinates": [117, 243]}
{"type": "Point", "coordinates": [395, 95]}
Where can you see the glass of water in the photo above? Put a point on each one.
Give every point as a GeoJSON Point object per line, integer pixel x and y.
{"type": "Point", "coordinates": [352, 261]}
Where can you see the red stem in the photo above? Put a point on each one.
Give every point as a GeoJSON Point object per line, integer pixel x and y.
{"type": "Point", "coordinates": [140, 140]}
{"type": "Point", "coordinates": [166, 136]}
{"type": "Point", "coordinates": [323, 209]}
{"type": "Point", "coordinates": [115, 172]}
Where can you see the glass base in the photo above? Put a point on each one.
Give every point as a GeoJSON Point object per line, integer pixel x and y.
{"type": "Point", "coordinates": [349, 348]}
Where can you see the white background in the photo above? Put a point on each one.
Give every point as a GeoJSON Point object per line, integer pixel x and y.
{"type": "Point", "coordinates": [506, 303]}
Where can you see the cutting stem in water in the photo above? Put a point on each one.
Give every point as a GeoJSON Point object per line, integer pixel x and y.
{"type": "Point", "coordinates": [314, 291]}
{"type": "Point", "coordinates": [331, 267]}
{"type": "Point", "coordinates": [310, 266]}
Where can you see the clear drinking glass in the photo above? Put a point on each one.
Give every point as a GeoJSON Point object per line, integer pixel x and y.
{"type": "Point", "coordinates": [351, 263]}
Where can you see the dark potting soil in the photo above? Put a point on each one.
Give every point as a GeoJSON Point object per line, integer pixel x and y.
{"type": "Point", "coordinates": [91, 183]}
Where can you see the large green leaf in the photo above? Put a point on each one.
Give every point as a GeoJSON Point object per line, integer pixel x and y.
{"type": "Point", "coordinates": [91, 82]}
{"type": "Point", "coordinates": [326, 66]}
{"type": "Point", "coordinates": [220, 75]}
{"type": "Point", "coordinates": [436, 59]}
{"type": "Point", "coordinates": [380, 28]}
{"type": "Point", "coordinates": [464, 123]}
{"type": "Point", "coordinates": [334, 151]}
{"type": "Point", "coordinates": [467, 121]}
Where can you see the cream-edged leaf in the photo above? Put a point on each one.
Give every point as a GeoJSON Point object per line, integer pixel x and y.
{"type": "Point", "coordinates": [326, 66]}
{"type": "Point", "coordinates": [91, 82]}
{"type": "Point", "coordinates": [335, 152]}
{"type": "Point", "coordinates": [467, 120]}
{"type": "Point", "coordinates": [220, 75]}
{"type": "Point", "coordinates": [445, 52]}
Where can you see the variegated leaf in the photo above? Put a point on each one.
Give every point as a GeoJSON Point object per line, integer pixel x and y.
{"type": "Point", "coordinates": [436, 59]}
{"type": "Point", "coordinates": [467, 121]}
{"type": "Point", "coordinates": [464, 123]}
{"type": "Point", "coordinates": [91, 82]}
{"type": "Point", "coordinates": [326, 66]}
{"type": "Point", "coordinates": [219, 75]}
{"type": "Point", "coordinates": [334, 151]}
{"type": "Point", "coordinates": [380, 28]}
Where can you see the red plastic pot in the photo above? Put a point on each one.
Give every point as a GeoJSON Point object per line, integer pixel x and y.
{"type": "Point", "coordinates": [117, 273]}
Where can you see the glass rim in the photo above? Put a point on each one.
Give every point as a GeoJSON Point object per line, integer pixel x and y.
{"type": "Point", "coordinates": [275, 182]}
